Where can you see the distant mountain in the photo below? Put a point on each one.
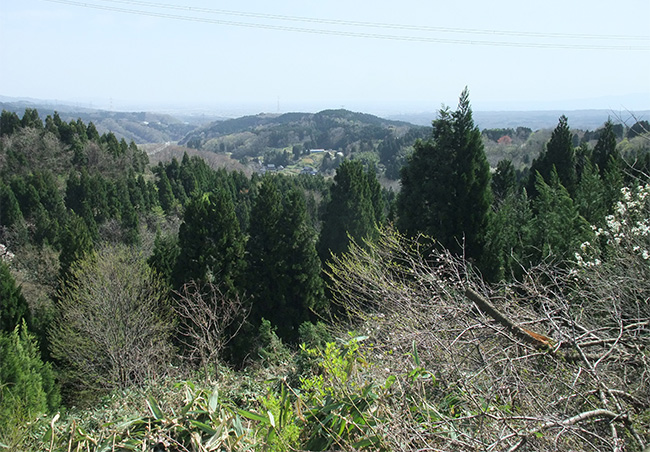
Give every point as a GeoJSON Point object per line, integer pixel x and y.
{"type": "Point", "coordinates": [141, 127]}
{"type": "Point", "coordinates": [536, 120]}
{"type": "Point", "coordinates": [339, 130]}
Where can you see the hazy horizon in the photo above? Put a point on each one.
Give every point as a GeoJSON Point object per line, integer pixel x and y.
{"type": "Point", "coordinates": [232, 110]}
{"type": "Point", "coordinates": [252, 56]}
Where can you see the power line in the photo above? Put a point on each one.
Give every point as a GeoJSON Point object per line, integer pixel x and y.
{"type": "Point", "coordinates": [340, 22]}
{"type": "Point", "coordinates": [354, 34]}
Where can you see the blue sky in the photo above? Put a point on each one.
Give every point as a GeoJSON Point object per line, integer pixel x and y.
{"type": "Point", "coordinates": [512, 54]}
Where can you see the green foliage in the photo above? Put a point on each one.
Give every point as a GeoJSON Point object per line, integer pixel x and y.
{"type": "Point", "coordinates": [354, 211]}
{"type": "Point", "coordinates": [445, 184]}
{"type": "Point", "coordinates": [509, 239]}
{"type": "Point", "coordinates": [27, 385]}
{"type": "Point", "coordinates": [198, 420]}
{"type": "Point", "coordinates": [284, 279]}
{"type": "Point", "coordinates": [504, 180]}
{"type": "Point", "coordinates": [164, 256]}
{"type": "Point", "coordinates": [558, 227]}
{"type": "Point", "coordinates": [13, 306]}
{"type": "Point", "coordinates": [76, 243]}
{"type": "Point", "coordinates": [605, 153]}
{"type": "Point", "coordinates": [559, 154]}
{"type": "Point", "coordinates": [340, 410]}
{"type": "Point", "coordinates": [270, 347]}
{"type": "Point", "coordinates": [10, 213]}
{"type": "Point", "coordinates": [314, 335]}
{"type": "Point", "coordinates": [211, 243]}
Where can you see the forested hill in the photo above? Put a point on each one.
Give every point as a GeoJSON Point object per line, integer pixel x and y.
{"type": "Point", "coordinates": [340, 130]}
{"type": "Point", "coordinates": [140, 127]}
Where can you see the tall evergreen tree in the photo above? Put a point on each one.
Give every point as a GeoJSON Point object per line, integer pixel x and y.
{"type": "Point", "coordinates": [9, 123]}
{"type": "Point", "coordinates": [445, 184]}
{"type": "Point", "coordinates": [10, 213]}
{"type": "Point", "coordinates": [504, 180]}
{"type": "Point", "coordinates": [605, 153]}
{"type": "Point", "coordinates": [559, 154]}
{"type": "Point", "coordinates": [508, 240]}
{"type": "Point", "coordinates": [165, 194]}
{"type": "Point", "coordinates": [76, 242]}
{"type": "Point", "coordinates": [558, 227]}
{"type": "Point", "coordinates": [13, 306]}
{"type": "Point", "coordinates": [283, 268]}
{"type": "Point", "coordinates": [211, 243]}
{"type": "Point", "coordinates": [355, 209]}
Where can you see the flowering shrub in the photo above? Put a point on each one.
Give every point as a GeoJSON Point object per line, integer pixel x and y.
{"type": "Point", "coordinates": [626, 232]}
{"type": "Point", "coordinates": [5, 254]}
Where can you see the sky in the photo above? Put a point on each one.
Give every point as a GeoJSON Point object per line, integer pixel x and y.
{"type": "Point", "coordinates": [384, 57]}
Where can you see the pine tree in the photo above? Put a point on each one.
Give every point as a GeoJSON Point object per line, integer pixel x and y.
{"type": "Point", "coordinates": [10, 213]}
{"type": "Point", "coordinates": [445, 184]}
{"type": "Point", "coordinates": [9, 123]}
{"type": "Point", "coordinates": [504, 180]}
{"type": "Point", "coordinates": [508, 239]}
{"type": "Point", "coordinates": [165, 195]}
{"type": "Point", "coordinates": [590, 197]}
{"type": "Point", "coordinates": [164, 256]}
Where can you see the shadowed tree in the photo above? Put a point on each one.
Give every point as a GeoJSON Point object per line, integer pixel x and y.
{"type": "Point", "coordinates": [210, 241]}
{"type": "Point", "coordinates": [355, 209]}
{"type": "Point", "coordinates": [283, 267]}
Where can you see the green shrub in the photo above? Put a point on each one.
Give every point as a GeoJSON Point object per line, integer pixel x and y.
{"type": "Point", "coordinates": [27, 385]}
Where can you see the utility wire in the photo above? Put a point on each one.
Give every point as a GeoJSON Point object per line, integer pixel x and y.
{"type": "Point", "coordinates": [349, 23]}
{"type": "Point", "coordinates": [354, 34]}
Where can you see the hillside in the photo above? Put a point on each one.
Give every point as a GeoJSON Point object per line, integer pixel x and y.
{"type": "Point", "coordinates": [141, 127]}
{"type": "Point", "coordinates": [340, 130]}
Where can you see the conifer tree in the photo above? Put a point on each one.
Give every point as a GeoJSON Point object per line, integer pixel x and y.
{"type": "Point", "coordinates": [165, 195]}
{"type": "Point", "coordinates": [354, 210]}
{"type": "Point", "coordinates": [10, 213]}
{"type": "Point", "coordinates": [605, 153]}
{"type": "Point", "coordinates": [164, 256]}
{"type": "Point", "coordinates": [558, 227]}
{"type": "Point", "coordinates": [559, 154]}
{"type": "Point", "coordinates": [590, 197]}
{"type": "Point", "coordinates": [445, 184]}
{"type": "Point", "coordinates": [9, 123]}
{"type": "Point", "coordinates": [13, 306]}
{"type": "Point", "coordinates": [508, 239]}
{"type": "Point", "coordinates": [211, 243]}
{"type": "Point", "coordinates": [283, 267]}
{"type": "Point", "coordinates": [27, 385]}
{"type": "Point", "coordinates": [504, 180]}
{"type": "Point", "coordinates": [76, 242]}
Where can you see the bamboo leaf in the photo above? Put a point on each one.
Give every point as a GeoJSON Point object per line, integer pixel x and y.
{"type": "Point", "coordinates": [202, 426]}
{"type": "Point", "coordinates": [214, 401]}
{"type": "Point", "coordinates": [253, 416]}
{"type": "Point", "coordinates": [154, 408]}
